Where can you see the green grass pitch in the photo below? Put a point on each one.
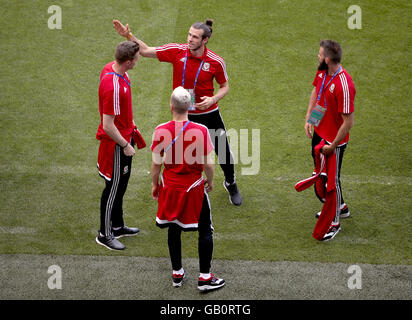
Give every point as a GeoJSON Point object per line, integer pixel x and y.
{"type": "Point", "coordinates": [50, 190]}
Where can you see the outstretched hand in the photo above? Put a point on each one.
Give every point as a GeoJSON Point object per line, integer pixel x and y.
{"type": "Point", "coordinates": [121, 29]}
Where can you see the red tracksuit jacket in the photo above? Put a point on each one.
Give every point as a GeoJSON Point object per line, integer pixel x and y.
{"type": "Point", "coordinates": [323, 165]}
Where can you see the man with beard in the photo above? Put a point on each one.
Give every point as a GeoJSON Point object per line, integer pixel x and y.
{"type": "Point", "coordinates": [194, 68]}
{"type": "Point", "coordinates": [331, 113]}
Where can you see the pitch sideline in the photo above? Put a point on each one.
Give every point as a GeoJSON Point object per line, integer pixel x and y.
{"type": "Point", "coordinates": [25, 276]}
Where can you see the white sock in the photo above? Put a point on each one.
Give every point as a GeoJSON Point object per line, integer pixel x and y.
{"type": "Point", "coordinates": [205, 275]}
{"type": "Point", "coordinates": [180, 272]}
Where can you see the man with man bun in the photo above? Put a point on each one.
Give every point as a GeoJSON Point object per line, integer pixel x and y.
{"type": "Point", "coordinates": [194, 68]}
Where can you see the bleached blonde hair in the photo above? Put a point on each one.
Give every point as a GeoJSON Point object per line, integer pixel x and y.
{"type": "Point", "coordinates": [180, 100]}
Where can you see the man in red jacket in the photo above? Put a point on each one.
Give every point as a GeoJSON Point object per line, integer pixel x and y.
{"type": "Point", "coordinates": [331, 112]}
{"type": "Point", "coordinates": [116, 145]}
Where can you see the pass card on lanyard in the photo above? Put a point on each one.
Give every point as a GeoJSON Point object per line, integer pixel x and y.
{"type": "Point", "coordinates": [191, 91]}
{"type": "Point", "coordinates": [318, 112]}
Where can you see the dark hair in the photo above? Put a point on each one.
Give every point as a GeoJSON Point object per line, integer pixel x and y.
{"type": "Point", "coordinates": [126, 50]}
{"type": "Point", "coordinates": [206, 27]}
{"type": "Point", "coordinates": [332, 50]}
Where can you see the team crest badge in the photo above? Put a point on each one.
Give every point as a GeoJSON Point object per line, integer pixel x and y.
{"type": "Point", "coordinates": [125, 89]}
{"type": "Point", "coordinates": [332, 87]}
{"type": "Point", "coordinates": [125, 170]}
{"type": "Point", "coordinates": [206, 66]}
{"type": "Point", "coordinates": [320, 75]}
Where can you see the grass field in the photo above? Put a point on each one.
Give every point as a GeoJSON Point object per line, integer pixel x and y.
{"type": "Point", "coordinates": [50, 190]}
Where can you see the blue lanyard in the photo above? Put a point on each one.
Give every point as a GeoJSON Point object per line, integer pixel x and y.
{"type": "Point", "coordinates": [323, 82]}
{"type": "Point", "coordinates": [120, 76]}
{"type": "Point", "coordinates": [184, 72]}
{"type": "Point", "coordinates": [174, 140]}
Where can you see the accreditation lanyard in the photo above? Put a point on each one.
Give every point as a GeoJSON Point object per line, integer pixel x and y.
{"type": "Point", "coordinates": [197, 74]}
{"type": "Point", "coordinates": [120, 76]}
{"type": "Point", "coordinates": [178, 135]}
{"type": "Point", "coordinates": [323, 83]}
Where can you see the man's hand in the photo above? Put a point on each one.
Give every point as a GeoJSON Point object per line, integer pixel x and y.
{"type": "Point", "coordinates": [348, 121]}
{"type": "Point", "coordinates": [121, 29]}
{"type": "Point", "coordinates": [155, 191]}
{"type": "Point", "coordinates": [327, 149]}
{"type": "Point", "coordinates": [129, 150]}
{"type": "Point", "coordinates": [208, 186]}
{"type": "Point", "coordinates": [206, 102]}
{"type": "Point", "coordinates": [308, 130]}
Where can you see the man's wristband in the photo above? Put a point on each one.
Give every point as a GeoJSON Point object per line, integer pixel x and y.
{"type": "Point", "coordinates": [130, 35]}
{"type": "Point", "coordinates": [125, 145]}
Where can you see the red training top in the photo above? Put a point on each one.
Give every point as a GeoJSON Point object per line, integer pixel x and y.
{"type": "Point", "coordinates": [115, 98]}
{"type": "Point", "coordinates": [184, 159]}
{"type": "Point", "coordinates": [340, 96]}
{"type": "Point", "coordinates": [214, 67]}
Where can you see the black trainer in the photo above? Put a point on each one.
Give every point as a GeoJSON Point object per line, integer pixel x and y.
{"type": "Point", "coordinates": [178, 279]}
{"type": "Point", "coordinates": [125, 231]}
{"type": "Point", "coordinates": [333, 231]}
{"type": "Point", "coordinates": [110, 242]}
{"type": "Point", "coordinates": [344, 213]}
{"type": "Point", "coordinates": [234, 195]}
{"type": "Point", "coordinates": [210, 284]}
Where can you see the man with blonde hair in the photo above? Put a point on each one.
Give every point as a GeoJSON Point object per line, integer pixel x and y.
{"type": "Point", "coordinates": [183, 203]}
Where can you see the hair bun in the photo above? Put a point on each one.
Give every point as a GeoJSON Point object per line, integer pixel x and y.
{"type": "Point", "coordinates": [209, 22]}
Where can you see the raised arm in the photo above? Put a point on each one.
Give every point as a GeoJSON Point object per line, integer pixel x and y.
{"type": "Point", "coordinates": [124, 31]}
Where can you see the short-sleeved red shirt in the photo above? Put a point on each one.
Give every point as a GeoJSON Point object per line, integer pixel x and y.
{"type": "Point", "coordinates": [115, 98]}
{"type": "Point", "coordinates": [184, 159]}
{"type": "Point", "coordinates": [214, 67]}
{"type": "Point", "coordinates": [340, 96]}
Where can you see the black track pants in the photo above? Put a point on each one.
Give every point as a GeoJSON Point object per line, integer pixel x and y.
{"type": "Point", "coordinates": [205, 240]}
{"type": "Point", "coordinates": [214, 122]}
{"type": "Point", "coordinates": [111, 205]}
{"type": "Point", "coordinates": [339, 151]}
